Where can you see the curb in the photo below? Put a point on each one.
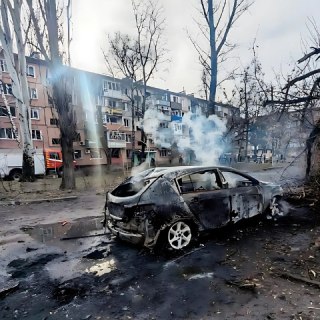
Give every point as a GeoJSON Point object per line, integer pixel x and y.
{"type": "Point", "coordinates": [272, 168]}
{"type": "Point", "coordinates": [17, 202]}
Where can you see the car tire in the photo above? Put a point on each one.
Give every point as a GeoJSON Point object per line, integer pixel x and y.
{"type": "Point", "coordinates": [179, 234]}
{"type": "Point", "coordinates": [60, 172]}
{"type": "Point", "coordinates": [275, 209]}
{"type": "Point", "coordinates": [15, 174]}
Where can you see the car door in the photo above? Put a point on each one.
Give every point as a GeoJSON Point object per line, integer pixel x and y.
{"type": "Point", "coordinates": [204, 195]}
{"type": "Point", "coordinates": [245, 195]}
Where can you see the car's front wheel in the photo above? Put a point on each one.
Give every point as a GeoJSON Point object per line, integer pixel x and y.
{"type": "Point", "coordinates": [275, 208]}
{"type": "Point", "coordinates": [179, 235]}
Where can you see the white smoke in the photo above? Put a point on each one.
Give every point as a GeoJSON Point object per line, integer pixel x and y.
{"type": "Point", "coordinates": [205, 137]}
{"type": "Point", "coordinates": [205, 134]}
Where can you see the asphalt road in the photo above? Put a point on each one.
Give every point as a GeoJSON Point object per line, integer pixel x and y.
{"type": "Point", "coordinates": [233, 273]}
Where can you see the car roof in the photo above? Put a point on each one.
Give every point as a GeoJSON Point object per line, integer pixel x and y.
{"type": "Point", "coordinates": [173, 172]}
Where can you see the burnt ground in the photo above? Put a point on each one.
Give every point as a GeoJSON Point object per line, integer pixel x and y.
{"type": "Point", "coordinates": [257, 269]}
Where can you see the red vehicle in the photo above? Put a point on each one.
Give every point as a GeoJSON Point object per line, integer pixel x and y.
{"type": "Point", "coordinates": [53, 161]}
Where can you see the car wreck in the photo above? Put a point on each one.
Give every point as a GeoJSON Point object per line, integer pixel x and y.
{"type": "Point", "coordinates": [180, 202]}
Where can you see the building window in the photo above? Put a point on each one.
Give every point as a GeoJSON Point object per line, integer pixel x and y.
{"type": "Point", "coordinates": [125, 106]}
{"type": "Point", "coordinates": [105, 85]}
{"type": "Point", "coordinates": [6, 88]}
{"type": "Point", "coordinates": [109, 85]}
{"type": "Point", "coordinates": [77, 154]}
{"type": "Point", "coordinates": [113, 86]}
{"type": "Point", "coordinates": [129, 154]}
{"type": "Point", "coordinates": [112, 103]}
{"type": "Point", "coordinates": [36, 134]}
{"type": "Point", "coordinates": [95, 154]}
{"type": "Point", "coordinates": [33, 94]}
{"type": "Point", "coordinates": [77, 138]}
{"type": "Point", "coordinates": [115, 153]}
{"type": "Point", "coordinates": [7, 133]}
{"type": "Point", "coordinates": [54, 122]}
{"type": "Point", "coordinates": [128, 137]}
{"type": "Point", "coordinates": [4, 67]}
{"type": "Point", "coordinates": [175, 99]}
{"type": "Point", "coordinates": [126, 122]}
{"type": "Point", "coordinates": [182, 102]}
{"type": "Point", "coordinates": [4, 112]}
{"type": "Point", "coordinates": [118, 87]}
{"type": "Point", "coordinates": [31, 71]}
{"type": "Point", "coordinates": [35, 114]}
{"type": "Point", "coordinates": [163, 124]}
{"type": "Point", "coordinates": [163, 153]}
{"type": "Point", "coordinates": [56, 140]}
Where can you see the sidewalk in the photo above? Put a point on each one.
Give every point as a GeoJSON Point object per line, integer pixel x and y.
{"type": "Point", "coordinates": [48, 188]}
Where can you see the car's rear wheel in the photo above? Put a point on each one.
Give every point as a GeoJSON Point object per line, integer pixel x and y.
{"type": "Point", "coordinates": [15, 174]}
{"type": "Point", "coordinates": [179, 235]}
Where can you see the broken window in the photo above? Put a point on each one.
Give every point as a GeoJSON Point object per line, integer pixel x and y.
{"type": "Point", "coordinates": [4, 112]}
{"type": "Point", "coordinates": [235, 180]}
{"type": "Point", "coordinates": [7, 133]}
{"type": "Point", "coordinates": [54, 122]}
{"type": "Point", "coordinates": [163, 153]}
{"type": "Point", "coordinates": [56, 140]}
{"type": "Point", "coordinates": [36, 135]}
{"type": "Point", "coordinates": [95, 154]}
{"type": "Point", "coordinates": [203, 181]}
{"type": "Point", "coordinates": [77, 154]}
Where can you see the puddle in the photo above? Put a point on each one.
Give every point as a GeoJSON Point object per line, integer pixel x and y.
{"type": "Point", "coordinates": [51, 234]}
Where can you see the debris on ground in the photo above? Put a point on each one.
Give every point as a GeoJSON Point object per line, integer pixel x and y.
{"type": "Point", "coordinates": [8, 287]}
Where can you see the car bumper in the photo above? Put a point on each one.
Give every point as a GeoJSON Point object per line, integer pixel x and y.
{"type": "Point", "coordinates": [135, 238]}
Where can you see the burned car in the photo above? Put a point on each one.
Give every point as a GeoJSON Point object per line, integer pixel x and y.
{"type": "Point", "coordinates": [180, 202]}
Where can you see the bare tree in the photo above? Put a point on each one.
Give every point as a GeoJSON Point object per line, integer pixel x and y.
{"type": "Point", "coordinates": [18, 75]}
{"type": "Point", "coordinates": [218, 23]}
{"type": "Point", "coordinates": [301, 91]}
{"type": "Point", "coordinates": [139, 57]}
{"type": "Point", "coordinates": [48, 37]}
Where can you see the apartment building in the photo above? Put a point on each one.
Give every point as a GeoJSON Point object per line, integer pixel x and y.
{"type": "Point", "coordinates": [164, 126]}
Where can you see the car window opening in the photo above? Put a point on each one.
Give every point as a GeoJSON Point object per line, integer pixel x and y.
{"type": "Point", "coordinates": [205, 181]}
{"type": "Point", "coordinates": [128, 189]}
{"type": "Point", "coordinates": [236, 180]}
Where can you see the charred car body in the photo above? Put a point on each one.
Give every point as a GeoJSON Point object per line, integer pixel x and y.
{"type": "Point", "coordinates": [181, 201]}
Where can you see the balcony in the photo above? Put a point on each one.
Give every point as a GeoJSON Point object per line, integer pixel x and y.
{"type": "Point", "coordinates": [162, 103]}
{"type": "Point", "coordinates": [176, 105]}
{"type": "Point", "coordinates": [116, 140]}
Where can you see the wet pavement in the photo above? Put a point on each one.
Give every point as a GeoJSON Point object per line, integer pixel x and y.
{"type": "Point", "coordinates": [232, 273]}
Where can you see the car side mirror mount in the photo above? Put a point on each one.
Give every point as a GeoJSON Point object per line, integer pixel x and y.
{"type": "Point", "coordinates": [225, 185]}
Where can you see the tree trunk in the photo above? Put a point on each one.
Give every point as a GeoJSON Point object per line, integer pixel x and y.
{"type": "Point", "coordinates": [133, 132]}
{"type": "Point", "coordinates": [310, 142]}
{"type": "Point", "coordinates": [214, 61]}
{"type": "Point", "coordinates": [68, 178]}
{"type": "Point", "coordinates": [103, 137]}
{"type": "Point", "coordinates": [19, 82]}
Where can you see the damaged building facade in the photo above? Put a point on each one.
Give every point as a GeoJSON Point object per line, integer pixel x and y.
{"type": "Point", "coordinates": [163, 120]}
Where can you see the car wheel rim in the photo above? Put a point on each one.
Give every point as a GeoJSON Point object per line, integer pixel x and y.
{"type": "Point", "coordinates": [179, 235]}
{"type": "Point", "coordinates": [16, 176]}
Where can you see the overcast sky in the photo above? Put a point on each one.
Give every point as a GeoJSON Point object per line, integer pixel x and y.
{"type": "Point", "coordinates": [278, 24]}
